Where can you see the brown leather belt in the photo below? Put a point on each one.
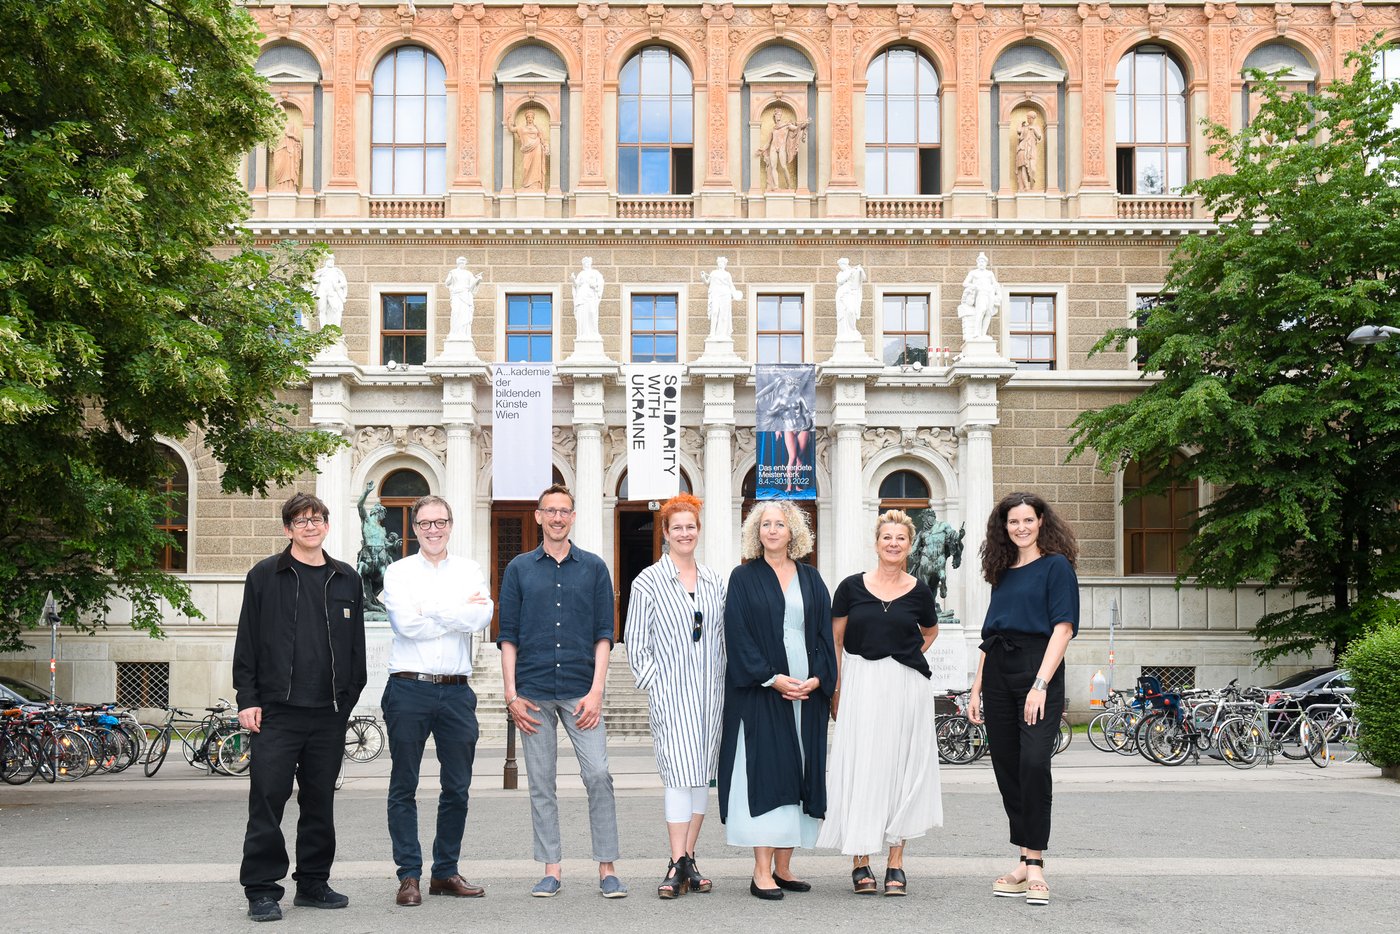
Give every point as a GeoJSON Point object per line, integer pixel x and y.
{"type": "Point", "coordinates": [431, 679]}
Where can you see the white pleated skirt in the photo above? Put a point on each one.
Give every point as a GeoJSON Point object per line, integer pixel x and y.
{"type": "Point", "coordinates": [882, 778]}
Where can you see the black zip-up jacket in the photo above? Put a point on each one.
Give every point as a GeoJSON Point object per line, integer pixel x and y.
{"type": "Point", "coordinates": [262, 653]}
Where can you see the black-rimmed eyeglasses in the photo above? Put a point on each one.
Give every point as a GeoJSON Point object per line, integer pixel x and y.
{"type": "Point", "coordinates": [439, 524]}
{"type": "Point", "coordinates": [302, 522]}
{"type": "Point", "coordinates": [699, 624]}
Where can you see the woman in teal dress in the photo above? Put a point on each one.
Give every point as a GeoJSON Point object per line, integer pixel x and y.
{"type": "Point", "coordinates": [780, 674]}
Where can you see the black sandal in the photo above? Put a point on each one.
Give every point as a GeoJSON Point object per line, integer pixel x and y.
{"type": "Point", "coordinates": [863, 880]}
{"type": "Point", "coordinates": [698, 883]}
{"type": "Point", "coordinates": [896, 876]}
{"type": "Point", "coordinates": [674, 885]}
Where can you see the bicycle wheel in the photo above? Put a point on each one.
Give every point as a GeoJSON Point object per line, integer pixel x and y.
{"type": "Point", "coordinates": [18, 761]}
{"type": "Point", "coordinates": [75, 758]}
{"type": "Point", "coordinates": [1120, 732]}
{"type": "Point", "coordinates": [1098, 731]}
{"type": "Point", "coordinates": [155, 752]}
{"type": "Point", "coordinates": [1239, 743]}
{"type": "Point", "coordinates": [955, 740]}
{"type": "Point", "coordinates": [235, 753]}
{"type": "Point", "coordinates": [1065, 737]}
{"type": "Point", "coordinates": [1342, 738]}
{"type": "Point", "coordinates": [1314, 740]}
{"type": "Point", "coordinates": [1164, 739]}
{"type": "Point", "coordinates": [364, 739]}
{"type": "Point", "coordinates": [981, 745]}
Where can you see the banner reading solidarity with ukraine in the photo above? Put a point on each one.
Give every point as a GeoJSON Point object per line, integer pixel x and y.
{"type": "Point", "coordinates": [785, 400]}
{"type": "Point", "coordinates": [653, 430]}
{"type": "Point", "coordinates": [522, 402]}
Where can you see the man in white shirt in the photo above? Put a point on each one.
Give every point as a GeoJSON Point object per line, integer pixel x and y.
{"type": "Point", "coordinates": [435, 602]}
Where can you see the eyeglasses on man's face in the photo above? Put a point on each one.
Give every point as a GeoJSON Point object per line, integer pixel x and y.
{"type": "Point", "coordinates": [438, 524]}
{"type": "Point", "coordinates": [553, 511]}
{"type": "Point", "coordinates": [302, 522]}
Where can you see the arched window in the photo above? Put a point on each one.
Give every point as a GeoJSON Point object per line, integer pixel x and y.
{"type": "Point", "coordinates": [904, 490]}
{"type": "Point", "coordinates": [174, 557]}
{"type": "Point", "coordinates": [409, 134]}
{"type": "Point", "coordinates": [397, 494]}
{"type": "Point", "coordinates": [1151, 123]}
{"type": "Point", "coordinates": [1156, 527]}
{"type": "Point", "coordinates": [1387, 70]}
{"type": "Point", "coordinates": [655, 125]}
{"type": "Point", "coordinates": [901, 124]}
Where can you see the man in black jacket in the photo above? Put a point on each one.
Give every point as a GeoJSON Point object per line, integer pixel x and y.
{"type": "Point", "coordinates": [298, 668]}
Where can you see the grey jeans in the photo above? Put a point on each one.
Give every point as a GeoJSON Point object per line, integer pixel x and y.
{"type": "Point", "coordinates": [541, 767]}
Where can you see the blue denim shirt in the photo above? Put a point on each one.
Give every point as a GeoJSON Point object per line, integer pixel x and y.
{"type": "Point", "coordinates": [555, 613]}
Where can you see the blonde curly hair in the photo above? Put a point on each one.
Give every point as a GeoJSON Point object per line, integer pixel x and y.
{"type": "Point", "coordinates": [799, 545]}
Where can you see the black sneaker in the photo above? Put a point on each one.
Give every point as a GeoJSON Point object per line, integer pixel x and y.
{"type": "Point", "coordinates": [321, 896]}
{"type": "Point", "coordinates": [264, 909]}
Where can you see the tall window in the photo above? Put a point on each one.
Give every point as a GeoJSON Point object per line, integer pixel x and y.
{"type": "Point", "coordinates": [655, 338]}
{"type": "Point", "coordinates": [1387, 70]}
{"type": "Point", "coordinates": [175, 522]}
{"type": "Point", "coordinates": [1156, 527]}
{"type": "Point", "coordinates": [1146, 303]}
{"type": "Point", "coordinates": [397, 495]}
{"type": "Point", "coordinates": [1030, 326]}
{"type": "Point", "coordinates": [403, 329]}
{"type": "Point", "coordinates": [901, 124]}
{"type": "Point", "coordinates": [529, 328]}
{"type": "Point", "coordinates": [655, 132]}
{"type": "Point", "coordinates": [1151, 123]}
{"type": "Point", "coordinates": [905, 326]}
{"type": "Point", "coordinates": [780, 331]}
{"type": "Point", "coordinates": [904, 490]}
{"type": "Point", "coordinates": [408, 149]}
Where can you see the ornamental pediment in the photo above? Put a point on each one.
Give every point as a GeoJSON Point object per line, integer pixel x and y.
{"type": "Point", "coordinates": [1029, 73]}
{"type": "Point", "coordinates": [531, 73]}
{"type": "Point", "coordinates": [288, 74]}
{"type": "Point", "coordinates": [779, 73]}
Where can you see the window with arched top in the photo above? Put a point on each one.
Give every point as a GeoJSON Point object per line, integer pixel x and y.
{"type": "Point", "coordinates": [904, 489]}
{"type": "Point", "coordinates": [655, 125]}
{"type": "Point", "coordinates": [175, 521]}
{"type": "Point", "coordinates": [398, 491]}
{"type": "Point", "coordinates": [1156, 525]}
{"type": "Point", "coordinates": [1151, 123]}
{"type": "Point", "coordinates": [408, 134]}
{"type": "Point", "coordinates": [902, 115]}
{"type": "Point", "coordinates": [1387, 70]}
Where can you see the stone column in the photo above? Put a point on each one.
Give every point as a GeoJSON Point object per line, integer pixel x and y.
{"type": "Point", "coordinates": [977, 505]}
{"type": "Point", "coordinates": [968, 183]}
{"type": "Point", "coordinates": [1219, 74]}
{"type": "Point", "coordinates": [1100, 200]}
{"type": "Point", "coordinates": [333, 489]}
{"type": "Point", "coordinates": [717, 193]}
{"type": "Point", "coordinates": [591, 197]}
{"type": "Point", "coordinates": [460, 489]}
{"type": "Point", "coordinates": [343, 186]}
{"type": "Point", "coordinates": [853, 544]}
{"type": "Point", "coordinates": [843, 190]}
{"type": "Point", "coordinates": [588, 489]}
{"type": "Point", "coordinates": [468, 194]}
{"type": "Point", "coordinates": [718, 533]}
{"type": "Point", "coordinates": [1344, 34]}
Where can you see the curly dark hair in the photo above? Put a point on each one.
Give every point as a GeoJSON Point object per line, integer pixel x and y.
{"type": "Point", "coordinates": [999, 552]}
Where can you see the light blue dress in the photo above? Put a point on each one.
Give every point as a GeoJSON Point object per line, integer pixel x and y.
{"type": "Point", "coordinates": [784, 826]}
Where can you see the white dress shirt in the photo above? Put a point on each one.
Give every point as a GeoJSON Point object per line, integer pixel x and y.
{"type": "Point", "coordinates": [430, 613]}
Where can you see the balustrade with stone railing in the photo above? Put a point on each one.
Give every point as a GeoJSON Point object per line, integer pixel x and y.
{"type": "Point", "coordinates": [656, 208]}
{"type": "Point", "coordinates": [407, 207]}
{"type": "Point", "coordinates": [903, 208]}
{"type": "Point", "coordinates": [1156, 208]}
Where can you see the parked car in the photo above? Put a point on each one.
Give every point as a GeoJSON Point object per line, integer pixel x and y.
{"type": "Point", "coordinates": [1293, 681]}
{"type": "Point", "coordinates": [16, 691]}
{"type": "Point", "coordinates": [1320, 688]}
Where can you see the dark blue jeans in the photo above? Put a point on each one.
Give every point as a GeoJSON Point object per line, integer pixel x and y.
{"type": "Point", "coordinates": [412, 711]}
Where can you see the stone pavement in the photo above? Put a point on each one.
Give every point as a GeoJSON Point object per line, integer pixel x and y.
{"type": "Point", "coordinates": [1137, 847]}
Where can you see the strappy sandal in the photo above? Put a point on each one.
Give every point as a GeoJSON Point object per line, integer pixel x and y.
{"type": "Point", "coordinates": [896, 878]}
{"type": "Point", "coordinates": [1041, 895]}
{"type": "Point", "coordinates": [674, 885]}
{"type": "Point", "coordinates": [863, 880]}
{"type": "Point", "coordinates": [1008, 888]}
{"type": "Point", "coordinates": [698, 883]}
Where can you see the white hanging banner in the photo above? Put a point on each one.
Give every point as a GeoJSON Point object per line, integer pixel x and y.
{"type": "Point", "coordinates": [522, 404]}
{"type": "Point", "coordinates": [653, 430]}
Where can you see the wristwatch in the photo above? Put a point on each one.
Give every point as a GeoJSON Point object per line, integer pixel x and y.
{"type": "Point", "coordinates": [1038, 684]}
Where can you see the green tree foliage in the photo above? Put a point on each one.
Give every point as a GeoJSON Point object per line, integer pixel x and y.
{"type": "Point", "coordinates": [1374, 663]}
{"type": "Point", "coordinates": [1296, 430]}
{"type": "Point", "coordinates": [121, 122]}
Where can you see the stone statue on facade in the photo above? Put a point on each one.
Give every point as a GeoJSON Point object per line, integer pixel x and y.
{"type": "Point", "coordinates": [934, 543]}
{"type": "Point", "coordinates": [980, 299]}
{"type": "Point", "coordinates": [462, 284]}
{"type": "Point", "coordinates": [850, 294]}
{"type": "Point", "coordinates": [377, 551]}
{"type": "Point", "coordinates": [778, 157]}
{"type": "Point", "coordinates": [286, 160]}
{"type": "Point", "coordinates": [533, 142]}
{"type": "Point", "coordinates": [719, 303]}
{"type": "Point", "coordinates": [588, 295]}
{"type": "Point", "coordinates": [330, 287]}
{"type": "Point", "coordinates": [1028, 139]}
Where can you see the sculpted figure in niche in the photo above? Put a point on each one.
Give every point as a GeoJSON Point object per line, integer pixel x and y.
{"type": "Point", "coordinates": [588, 295]}
{"type": "Point", "coordinates": [779, 157]}
{"type": "Point", "coordinates": [1028, 139]}
{"type": "Point", "coordinates": [980, 299]}
{"type": "Point", "coordinates": [377, 551]}
{"type": "Point", "coordinates": [329, 286]}
{"type": "Point", "coordinates": [286, 160]}
{"type": "Point", "coordinates": [720, 300]}
{"type": "Point", "coordinates": [461, 285]}
{"type": "Point", "coordinates": [533, 142]}
{"type": "Point", "coordinates": [850, 293]}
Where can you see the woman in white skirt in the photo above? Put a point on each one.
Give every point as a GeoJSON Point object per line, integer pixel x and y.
{"type": "Point", "coordinates": [882, 785]}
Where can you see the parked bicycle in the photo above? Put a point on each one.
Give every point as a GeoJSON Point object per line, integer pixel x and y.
{"type": "Point", "coordinates": [199, 738]}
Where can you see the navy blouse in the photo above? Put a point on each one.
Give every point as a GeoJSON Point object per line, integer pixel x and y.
{"type": "Point", "coordinates": [1032, 598]}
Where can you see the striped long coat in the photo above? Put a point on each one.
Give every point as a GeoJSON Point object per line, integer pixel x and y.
{"type": "Point", "coordinates": [684, 679]}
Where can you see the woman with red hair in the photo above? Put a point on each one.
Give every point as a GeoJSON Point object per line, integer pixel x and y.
{"type": "Point", "coordinates": [675, 645]}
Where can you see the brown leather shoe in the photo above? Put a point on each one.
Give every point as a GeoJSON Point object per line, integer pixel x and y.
{"type": "Point", "coordinates": [409, 895]}
{"type": "Point", "coordinates": [455, 886]}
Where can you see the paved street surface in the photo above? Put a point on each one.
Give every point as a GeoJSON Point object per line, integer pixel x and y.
{"type": "Point", "coordinates": [1137, 848]}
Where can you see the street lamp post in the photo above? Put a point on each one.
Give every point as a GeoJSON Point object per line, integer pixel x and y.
{"type": "Point", "coordinates": [1372, 334]}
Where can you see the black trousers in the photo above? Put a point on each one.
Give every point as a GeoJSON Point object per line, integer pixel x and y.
{"type": "Point", "coordinates": [1020, 752]}
{"type": "Point", "coordinates": [307, 744]}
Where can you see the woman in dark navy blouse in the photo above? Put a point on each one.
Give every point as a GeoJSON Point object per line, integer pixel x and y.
{"type": "Point", "coordinates": [1028, 558]}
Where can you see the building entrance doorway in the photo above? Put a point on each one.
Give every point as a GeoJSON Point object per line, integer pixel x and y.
{"type": "Point", "coordinates": [639, 544]}
{"type": "Point", "coordinates": [514, 531]}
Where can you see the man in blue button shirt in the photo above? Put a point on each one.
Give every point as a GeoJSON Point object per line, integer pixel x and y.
{"type": "Point", "coordinates": [556, 636]}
